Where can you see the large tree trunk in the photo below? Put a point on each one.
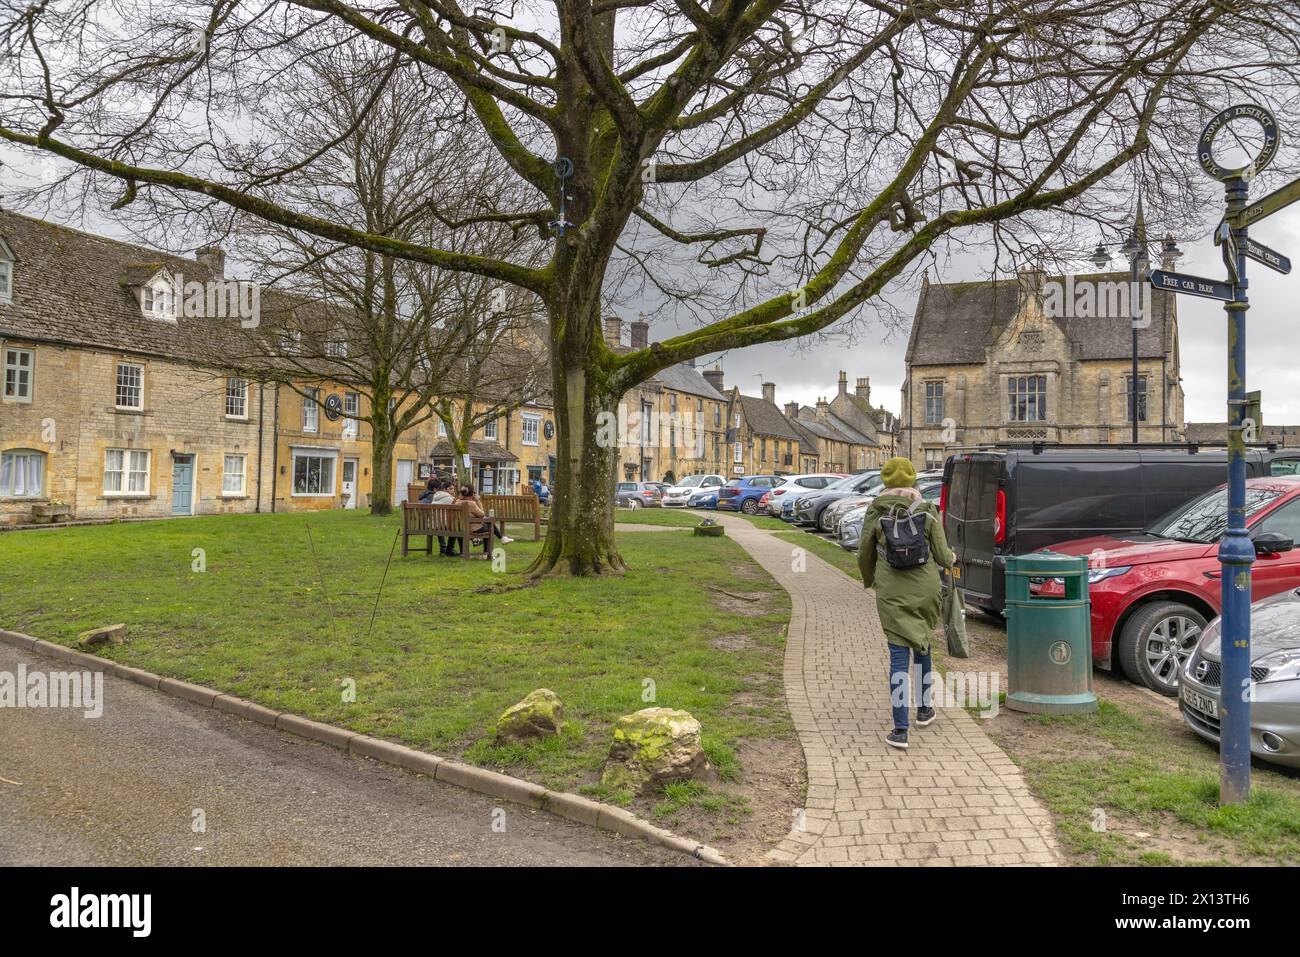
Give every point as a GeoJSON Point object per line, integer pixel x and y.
{"type": "Point", "coordinates": [580, 533]}
{"type": "Point", "coordinates": [381, 474]}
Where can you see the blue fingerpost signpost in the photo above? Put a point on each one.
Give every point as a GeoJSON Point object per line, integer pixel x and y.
{"type": "Point", "coordinates": [1236, 551]}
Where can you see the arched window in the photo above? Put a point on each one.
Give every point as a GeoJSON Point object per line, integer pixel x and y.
{"type": "Point", "coordinates": [22, 473]}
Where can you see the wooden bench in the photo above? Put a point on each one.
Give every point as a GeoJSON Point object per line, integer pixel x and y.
{"type": "Point", "coordinates": [443, 521]}
{"type": "Point", "coordinates": [515, 508]}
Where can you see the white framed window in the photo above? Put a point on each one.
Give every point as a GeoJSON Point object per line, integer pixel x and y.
{"type": "Point", "coordinates": [22, 473]}
{"type": "Point", "coordinates": [739, 453]}
{"type": "Point", "coordinates": [336, 349]}
{"type": "Point", "coordinates": [130, 386]}
{"type": "Point", "coordinates": [351, 410]}
{"type": "Point", "coordinates": [19, 364]}
{"type": "Point", "coordinates": [442, 429]}
{"type": "Point", "coordinates": [313, 474]}
{"type": "Point", "coordinates": [6, 278]}
{"type": "Point", "coordinates": [126, 471]}
{"type": "Point", "coordinates": [531, 428]}
{"type": "Point", "coordinates": [232, 475]}
{"type": "Point", "coordinates": [490, 428]}
{"type": "Point", "coordinates": [158, 299]}
{"type": "Point", "coordinates": [310, 411]}
{"type": "Point", "coordinates": [290, 339]}
{"type": "Point", "coordinates": [236, 398]}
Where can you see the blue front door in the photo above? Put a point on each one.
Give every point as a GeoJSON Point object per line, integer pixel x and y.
{"type": "Point", "coordinates": [182, 484]}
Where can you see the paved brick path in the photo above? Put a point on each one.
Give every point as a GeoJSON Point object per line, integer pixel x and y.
{"type": "Point", "coordinates": [953, 797]}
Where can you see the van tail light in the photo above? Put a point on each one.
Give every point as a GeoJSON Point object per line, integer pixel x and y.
{"type": "Point", "coordinates": [1000, 519]}
{"type": "Point", "coordinates": [943, 499]}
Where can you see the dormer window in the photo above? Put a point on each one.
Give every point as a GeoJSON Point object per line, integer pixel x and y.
{"type": "Point", "coordinates": [6, 274]}
{"type": "Point", "coordinates": [336, 348]}
{"type": "Point", "coordinates": [289, 341]}
{"type": "Point", "coordinates": [158, 299]}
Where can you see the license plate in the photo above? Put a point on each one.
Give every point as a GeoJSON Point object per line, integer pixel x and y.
{"type": "Point", "coordinates": [1202, 703]}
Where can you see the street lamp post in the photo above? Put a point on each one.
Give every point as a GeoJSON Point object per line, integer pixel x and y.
{"type": "Point", "coordinates": [1135, 250]}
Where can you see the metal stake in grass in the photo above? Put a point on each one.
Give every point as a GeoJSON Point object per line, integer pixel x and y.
{"type": "Point", "coordinates": [321, 576]}
{"type": "Point", "coordinates": [396, 535]}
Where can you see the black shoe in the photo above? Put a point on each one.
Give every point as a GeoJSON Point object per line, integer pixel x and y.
{"type": "Point", "coordinates": [897, 739]}
{"type": "Point", "coordinates": [924, 716]}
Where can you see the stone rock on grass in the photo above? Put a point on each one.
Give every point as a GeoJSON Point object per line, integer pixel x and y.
{"type": "Point", "coordinates": [108, 635]}
{"type": "Point", "coordinates": [540, 713]}
{"type": "Point", "coordinates": [654, 746]}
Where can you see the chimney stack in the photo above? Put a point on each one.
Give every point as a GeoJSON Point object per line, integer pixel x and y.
{"type": "Point", "coordinates": [213, 258]}
{"type": "Point", "coordinates": [823, 410]}
{"type": "Point", "coordinates": [714, 377]}
{"type": "Point", "coordinates": [864, 389]}
{"type": "Point", "coordinates": [792, 410]}
{"type": "Point", "coordinates": [640, 331]}
{"type": "Point", "coordinates": [613, 331]}
{"type": "Point", "coordinates": [844, 382]}
{"type": "Point", "coordinates": [769, 392]}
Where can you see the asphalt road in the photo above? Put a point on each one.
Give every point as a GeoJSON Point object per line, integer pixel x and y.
{"type": "Point", "coordinates": [124, 789]}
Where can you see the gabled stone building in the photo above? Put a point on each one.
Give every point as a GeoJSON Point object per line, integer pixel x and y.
{"type": "Point", "coordinates": [987, 362]}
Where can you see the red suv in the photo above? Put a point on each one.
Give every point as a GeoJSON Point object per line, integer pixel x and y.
{"type": "Point", "coordinates": [1153, 591]}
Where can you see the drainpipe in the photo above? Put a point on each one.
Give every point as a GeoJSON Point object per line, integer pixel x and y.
{"type": "Point", "coordinates": [261, 416]}
{"type": "Point", "coordinates": [275, 446]}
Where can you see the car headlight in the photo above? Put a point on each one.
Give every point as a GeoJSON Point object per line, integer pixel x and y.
{"type": "Point", "coordinates": [1101, 574]}
{"type": "Point", "coordinates": [1283, 665]}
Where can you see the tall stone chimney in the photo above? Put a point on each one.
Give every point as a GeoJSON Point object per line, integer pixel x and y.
{"type": "Point", "coordinates": [714, 377]}
{"type": "Point", "coordinates": [614, 331]}
{"type": "Point", "coordinates": [213, 258]}
{"type": "Point", "coordinates": [769, 392]}
{"type": "Point", "coordinates": [844, 382]}
{"type": "Point", "coordinates": [792, 410]}
{"type": "Point", "coordinates": [640, 332]}
{"type": "Point", "coordinates": [863, 391]}
{"type": "Point", "coordinates": [823, 409]}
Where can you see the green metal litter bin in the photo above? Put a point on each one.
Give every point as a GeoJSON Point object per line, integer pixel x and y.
{"type": "Point", "coordinates": [1049, 640]}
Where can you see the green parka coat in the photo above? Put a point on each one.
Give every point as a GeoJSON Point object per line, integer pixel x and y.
{"type": "Point", "coordinates": [907, 599]}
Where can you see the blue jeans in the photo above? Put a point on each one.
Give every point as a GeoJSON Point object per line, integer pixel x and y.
{"type": "Point", "coordinates": [900, 685]}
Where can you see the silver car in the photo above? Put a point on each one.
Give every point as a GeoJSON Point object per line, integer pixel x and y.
{"type": "Point", "coordinates": [1275, 680]}
{"type": "Point", "coordinates": [849, 531]}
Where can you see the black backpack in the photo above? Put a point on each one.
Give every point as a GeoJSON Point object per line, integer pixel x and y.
{"type": "Point", "coordinates": [905, 543]}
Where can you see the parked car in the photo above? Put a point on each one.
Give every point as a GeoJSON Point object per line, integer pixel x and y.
{"type": "Point", "coordinates": [1012, 501]}
{"type": "Point", "coordinates": [787, 508]}
{"type": "Point", "coordinates": [850, 527]}
{"type": "Point", "coordinates": [794, 485]}
{"type": "Point", "coordinates": [743, 494]}
{"type": "Point", "coordinates": [705, 498]}
{"type": "Point", "coordinates": [679, 494]}
{"type": "Point", "coordinates": [809, 508]}
{"type": "Point", "coordinates": [638, 495]}
{"type": "Point", "coordinates": [1274, 673]}
{"type": "Point", "coordinates": [1152, 592]}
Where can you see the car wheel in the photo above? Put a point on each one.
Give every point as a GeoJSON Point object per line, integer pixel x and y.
{"type": "Point", "coordinates": [633, 504]}
{"type": "Point", "coordinates": [1156, 643]}
{"type": "Point", "coordinates": [750, 507]}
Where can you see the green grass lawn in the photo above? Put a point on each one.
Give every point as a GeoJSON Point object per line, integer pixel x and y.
{"type": "Point", "coordinates": [846, 562]}
{"type": "Point", "coordinates": [1130, 786]}
{"type": "Point", "coordinates": [675, 517]}
{"type": "Point", "coordinates": [453, 643]}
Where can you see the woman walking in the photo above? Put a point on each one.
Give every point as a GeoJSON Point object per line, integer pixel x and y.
{"type": "Point", "coordinates": [903, 547]}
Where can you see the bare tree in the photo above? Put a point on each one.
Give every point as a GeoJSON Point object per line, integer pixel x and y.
{"type": "Point", "coordinates": [771, 164]}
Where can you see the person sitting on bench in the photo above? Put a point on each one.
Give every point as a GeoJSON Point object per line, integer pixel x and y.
{"type": "Point", "coordinates": [487, 528]}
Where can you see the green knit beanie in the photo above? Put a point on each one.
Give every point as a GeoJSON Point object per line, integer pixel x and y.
{"type": "Point", "coordinates": [898, 473]}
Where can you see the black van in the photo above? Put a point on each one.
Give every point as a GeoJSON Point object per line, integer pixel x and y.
{"type": "Point", "coordinates": [1011, 501]}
